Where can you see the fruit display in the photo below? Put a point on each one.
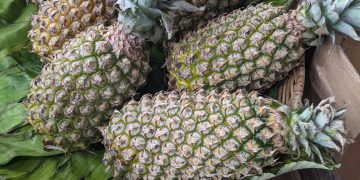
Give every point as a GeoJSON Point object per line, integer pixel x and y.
{"type": "Point", "coordinates": [255, 47]}
{"type": "Point", "coordinates": [168, 89]}
{"type": "Point", "coordinates": [95, 72]}
{"type": "Point", "coordinates": [57, 21]}
{"type": "Point", "coordinates": [214, 135]}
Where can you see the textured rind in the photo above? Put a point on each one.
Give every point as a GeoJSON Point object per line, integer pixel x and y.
{"type": "Point", "coordinates": [57, 21]}
{"type": "Point", "coordinates": [201, 135]}
{"type": "Point", "coordinates": [214, 135]}
{"type": "Point", "coordinates": [251, 49]}
{"type": "Point", "coordinates": [79, 90]}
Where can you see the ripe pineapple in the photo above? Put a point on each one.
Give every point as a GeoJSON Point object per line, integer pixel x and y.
{"type": "Point", "coordinates": [57, 21]}
{"type": "Point", "coordinates": [176, 16]}
{"type": "Point", "coordinates": [214, 135]}
{"type": "Point", "coordinates": [97, 71]}
{"type": "Point", "coordinates": [255, 47]}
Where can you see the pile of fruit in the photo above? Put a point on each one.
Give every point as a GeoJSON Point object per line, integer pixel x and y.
{"type": "Point", "coordinates": [163, 89]}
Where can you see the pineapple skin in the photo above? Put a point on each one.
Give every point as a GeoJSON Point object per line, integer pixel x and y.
{"type": "Point", "coordinates": [188, 135]}
{"type": "Point", "coordinates": [97, 71]}
{"type": "Point", "coordinates": [249, 49]}
{"type": "Point", "coordinates": [57, 21]}
{"type": "Point", "coordinates": [213, 135]}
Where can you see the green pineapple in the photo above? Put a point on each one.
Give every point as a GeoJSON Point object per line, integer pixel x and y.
{"type": "Point", "coordinates": [210, 135]}
{"type": "Point", "coordinates": [94, 73]}
{"type": "Point", "coordinates": [255, 47]}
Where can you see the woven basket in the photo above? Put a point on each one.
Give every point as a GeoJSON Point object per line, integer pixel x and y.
{"type": "Point", "coordinates": [292, 89]}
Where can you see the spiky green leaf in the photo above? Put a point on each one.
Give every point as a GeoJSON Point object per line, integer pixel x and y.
{"type": "Point", "coordinates": [321, 120]}
{"type": "Point", "coordinates": [332, 16]}
{"type": "Point", "coordinates": [338, 125]}
{"type": "Point", "coordinates": [346, 29]}
{"type": "Point", "coordinates": [352, 16]}
{"type": "Point", "coordinates": [315, 12]}
{"type": "Point", "coordinates": [341, 5]}
{"type": "Point", "coordinates": [317, 152]}
{"type": "Point", "coordinates": [325, 141]}
{"type": "Point", "coordinates": [339, 113]}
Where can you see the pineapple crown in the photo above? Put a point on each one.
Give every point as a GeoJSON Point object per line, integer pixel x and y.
{"type": "Point", "coordinates": [317, 127]}
{"type": "Point", "coordinates": [326, 17]}
{"type": "Point", "coordinates": [142, 17]}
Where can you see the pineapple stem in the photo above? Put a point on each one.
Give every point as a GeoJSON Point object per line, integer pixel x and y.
{"type": "Point", "coordinates": [318, 127]}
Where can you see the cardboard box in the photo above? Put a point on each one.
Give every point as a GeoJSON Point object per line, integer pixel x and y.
{"type": "Point", "coordinates": [334, 71]}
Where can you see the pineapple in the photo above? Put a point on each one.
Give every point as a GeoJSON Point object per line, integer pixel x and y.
{"type": "Point", "coordinates": [255, 47]}
{"type": "Point", "coordinates": [211, 135]}
{"type": "Point", "coordinates": [57, 21]}
{"type": "Point", "coordinates": [95, 73]}
{"type": "Point", "coordinates": [177, 16]}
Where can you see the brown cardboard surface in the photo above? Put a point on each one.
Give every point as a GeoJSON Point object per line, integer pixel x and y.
{"type": "Point", "coordinates": [350, 162]}
{"type": "Point", "coordinates": [351, 159]}
{"type": "Point", "coordinates": [352, 50]}
{"type": "Point", "coordinates": [332, 74]}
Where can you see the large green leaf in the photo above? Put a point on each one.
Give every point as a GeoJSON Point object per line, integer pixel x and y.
{"type": "Point", "coordinates": [12, 117]}
{"type": "Point", "coordinates": [19, 167]}
{"type": "Point", "coordinates": [83, 165]}
{"type": "Point", "coordinates": [28, 62]}
{"type": "Point", "coordinates": [22, 144]}
{"type": "Point", "coordinates": [15, 83]}
{"type": "Point", "coordinates": [79, 165]}
{"type": "Point", "coordinates": [31, 168]}
{"type": "Point", "coordinates": [9, 9]}
{"type": "Point", "coordinates": [14, 36]}
{"type": "Point", "coordinates": [45, 171]}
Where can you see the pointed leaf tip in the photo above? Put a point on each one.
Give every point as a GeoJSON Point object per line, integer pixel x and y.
{"type": "Point", "coordinates": [346, 29]}
{"type": "Point", "coordinates": [338, 125]}
{"type": "Point", "coordinates": [321, 119]}
{"type": "Point", "coordinates": [315, 12]}
{"type": "Point", "coordinates": [325, 141]}
{"type": "Point", "coordinates": [339, 113]}
{"type": "Point", "coordinates": [352, 16]}
{"type": "Point", "coordinates": [316, 150]}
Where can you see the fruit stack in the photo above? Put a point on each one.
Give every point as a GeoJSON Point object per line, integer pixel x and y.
{"type": "Point", "coordinates": [221, 55]}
